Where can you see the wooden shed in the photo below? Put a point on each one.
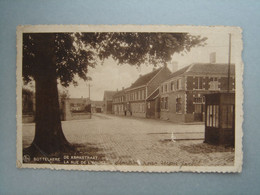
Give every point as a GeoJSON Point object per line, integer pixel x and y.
{"type": "Point", "coordinates": [220, 119]}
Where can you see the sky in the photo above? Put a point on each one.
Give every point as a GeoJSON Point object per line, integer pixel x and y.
{"type": "Point", "coordinates": [111, 76]}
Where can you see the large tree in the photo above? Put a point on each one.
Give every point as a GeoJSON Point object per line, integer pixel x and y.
{"type": "Point", "coordinates": [49, 58]}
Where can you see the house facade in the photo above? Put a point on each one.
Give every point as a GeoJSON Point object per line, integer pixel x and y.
{"type": "Point", "coordinates": [96, 106]}
{"type": "Point", "coordinates": [182, 94]}
{"type": "Point", "coordinates": [75, 109]}
{"type": "Point", "coordinates": [136, 95]}
{"type": "Point", "coordinates": [119, 103]}
{"type": "Point", "coordinates": [107, 102]}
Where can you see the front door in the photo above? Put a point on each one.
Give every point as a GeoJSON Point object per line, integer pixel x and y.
{"type": "Point", "coordinates": [198, 112]}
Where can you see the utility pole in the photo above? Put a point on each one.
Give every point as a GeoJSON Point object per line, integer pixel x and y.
{"type": "Point", "coordinates": [229, 60]}
{"type": "Point", "coordinates": [89, 99]}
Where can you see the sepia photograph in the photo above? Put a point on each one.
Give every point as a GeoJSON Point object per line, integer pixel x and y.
{"type": "Point", "coordinates": [130, 98]}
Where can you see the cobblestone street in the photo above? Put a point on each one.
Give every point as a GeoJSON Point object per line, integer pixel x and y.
{"type": "Point", "coordinates": [135, 141]}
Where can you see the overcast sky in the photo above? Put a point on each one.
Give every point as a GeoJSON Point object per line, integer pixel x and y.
{"type": "Point", "coordinates": [111, 76]}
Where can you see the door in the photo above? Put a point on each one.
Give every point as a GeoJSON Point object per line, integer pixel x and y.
{"type": "Point", "coordinates": [198, 112]}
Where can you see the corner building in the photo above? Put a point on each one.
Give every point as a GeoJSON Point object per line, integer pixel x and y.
{"type": "Point", "coordinates": [182, 95]}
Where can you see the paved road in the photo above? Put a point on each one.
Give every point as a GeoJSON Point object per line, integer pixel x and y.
{"type": "Point", "coordinates": [125, 140]}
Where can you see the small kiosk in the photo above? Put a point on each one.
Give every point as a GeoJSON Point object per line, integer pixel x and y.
{"type": "Point", "coordinates": [220, 119]}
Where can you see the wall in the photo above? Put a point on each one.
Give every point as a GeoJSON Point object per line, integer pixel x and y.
{"type": "Point", "coordinates": [68, 115]}
{"type": "Point", "coordinates": [170, 113]}
{"type": "Point", "coordinates": [158, 79]}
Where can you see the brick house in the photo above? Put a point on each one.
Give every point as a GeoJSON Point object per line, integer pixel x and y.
{"type": "Point", "coordinates": [182, 94]}
{"type": "Point", "coordinates": [141, 89]}
{"type": "Point", "coordinates": [119, 103]}
{"type": "Point", "coordinates": [107, 99]}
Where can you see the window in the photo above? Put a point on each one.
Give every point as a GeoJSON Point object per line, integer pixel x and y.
{"type": "Point", "coordinates": [213, 116]}
{"type": "Point", "coordinates": [213, 84]}
{"type": "Point", "coordinates": [178, 84]}
{"type": "Point", "coordinates": [178, 105]}
{"type": "Point", "coordinates": [172, 86]}
{"type": "Point", "coordinates": [199, 84]}
{"type": "Point", "coordinates": [165, 87]}
{"type": "Point", "coordinates": [162, 88]}
{"type": "Point", "coordinates": [198, 100]}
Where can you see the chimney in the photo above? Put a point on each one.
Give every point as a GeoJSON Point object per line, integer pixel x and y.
{"type": "Point", "coordinates": [174, 66]}
{"type": "Point", "coordinates": [123, 88]}
{"type": "Point", "coordinates": [212, 58]}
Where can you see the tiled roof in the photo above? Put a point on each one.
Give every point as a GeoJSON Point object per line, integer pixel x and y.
{"type": "Point", "coordinates": [212, 68]}
{"type": "Point", "coordinates": [204, 68]}
{"type": "Point", "coordinates": [109, 94]}
{"type": "Point", "coordinates": [153, 95]}
{"type": "Point", "coordinates": [143, 80]}
{"type": "Point", "coordinates": [119, 93]}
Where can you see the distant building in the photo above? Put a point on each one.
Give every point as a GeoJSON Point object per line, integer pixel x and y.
{"type": "Point", "coordinates": [107, 101]}
{"type": "Point", "coordinates": [75, 109]}
{"type": "Point", "coordinates": [119, 103]}
{"type": "Point", "coordinates": [77, 104]}
{"type": "Point", "coordinates": [97, 106]}
{"type": "Point", "coordinates": [141, 89]}
{"type": "Point", "coordinates": [182, 94]}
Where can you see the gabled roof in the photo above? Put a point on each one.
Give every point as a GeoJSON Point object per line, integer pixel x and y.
{"type": "Point", "coordinates": [109, 95]}
{"type": "Point", "coordinates": [143, 80]}
{"type": "Point", "coordinates": [204, 69]}
{"type": "Point", "coordinates": [153, 95]}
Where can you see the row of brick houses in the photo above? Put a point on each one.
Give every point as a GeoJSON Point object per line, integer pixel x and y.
{"type": "Point", "coordinates": [177, 96]}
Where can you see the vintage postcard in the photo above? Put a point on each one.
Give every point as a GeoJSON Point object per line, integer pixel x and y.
{"type": "Point", "coordinates": [129, 98]}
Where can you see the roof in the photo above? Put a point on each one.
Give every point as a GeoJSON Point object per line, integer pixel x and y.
{"type": "Point", "coordinates": [143, 80]}
{"type": "Point", "coordinates": [109, 94]}
{"type": "Point", "coordinates": [204, 68]}
{"type": "Point", "coordinates": [78, 100]}
{"type": "Point", "coordinates": [119, 93]}
{"type": "Point", "coordinates": [153, 95]}
{"type": "Point", "coordinates": [97, 103]}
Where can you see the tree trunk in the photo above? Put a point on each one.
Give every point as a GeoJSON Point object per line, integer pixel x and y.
{"type": "Point", "coordinates": [49, 137]}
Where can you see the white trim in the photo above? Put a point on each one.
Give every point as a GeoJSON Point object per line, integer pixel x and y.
{"type": "Point", "coordinates": [153, 92]}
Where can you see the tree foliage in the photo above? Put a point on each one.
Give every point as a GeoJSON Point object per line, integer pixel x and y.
{"type": "Point", "coordinates": [75, 52]}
